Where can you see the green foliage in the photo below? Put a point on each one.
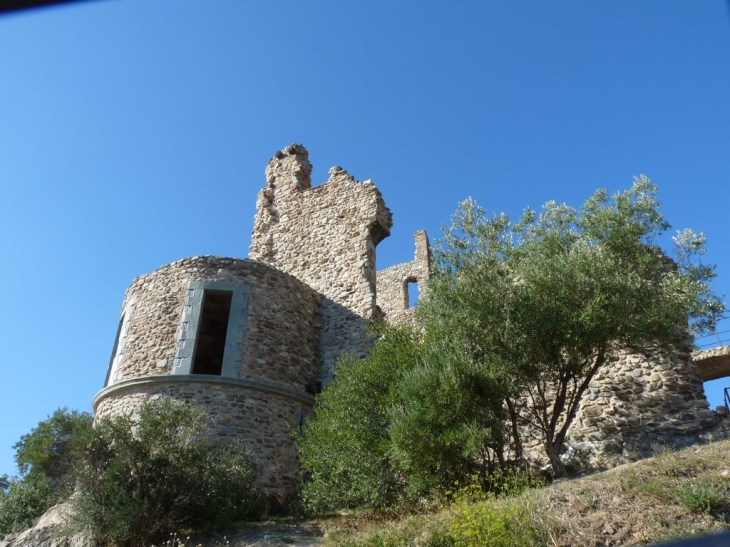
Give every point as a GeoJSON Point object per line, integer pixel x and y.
{"type": "Point", "coordinates": [22, 502]}
{"type": "Point", "coordinates": [345, 448]}
{"type": "Point", "coordinates": [51, 448]}
{"type": "Point", "coordinates": [403, 424]}
{"type": "Point", "coordinates": [474, 520]}
{"type": "Point", "coordinates": [46, 459]}
{"type": "Point", "coordinates": [550, 298]}
{"type": "Point", "coordinates": [508, 522]}
{"type": "Point", "coordinates": [703, 497]}
{"type": "Point", "coordinates": [143, 479]}
{"type": "Point", "coordinates": [447, 424]}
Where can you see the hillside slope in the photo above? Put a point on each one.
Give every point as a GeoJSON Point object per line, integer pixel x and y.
{"type": "Point", "coordinates": [671, 496]}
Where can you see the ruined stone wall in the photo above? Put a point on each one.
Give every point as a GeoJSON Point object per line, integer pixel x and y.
{"type": "Point", "coordinates": [262, 422]}
{"type": "Point", "coordinates": [281, 332]}
{"type": "Point", "coordinates": [393, 282]}
{"type": "Point", "coordinates": [633, 406]}
{"type": "Point", "coordinates": [712, 363]}
{"type": "Point", "coordinates": [326, 237]}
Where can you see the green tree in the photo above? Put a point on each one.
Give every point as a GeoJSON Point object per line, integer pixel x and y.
{"type": "Point", "coordinates": [141, 479]}
{"type": "Point", "coordinates": [51, 449]}
{"type": "Point", "coordinates": [555, 295]}
{"type": "Point", "coordinates": [21, 503]}
{"type": "Point", "coordinates": [46, 459]}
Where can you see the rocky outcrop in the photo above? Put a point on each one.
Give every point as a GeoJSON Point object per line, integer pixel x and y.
{"type": "Point", "coordinates": [50, 531]}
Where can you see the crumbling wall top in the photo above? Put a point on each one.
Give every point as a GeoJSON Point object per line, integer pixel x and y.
{"type": "Point", "coordinates": [289, 170]}
{"type": "Point", "coordinates": [395, 283]}
{"type": "Point", "coordinates": [325, 236]}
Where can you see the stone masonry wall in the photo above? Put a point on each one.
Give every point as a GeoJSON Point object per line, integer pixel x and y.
{"type": "Point", "coordinates": [393, 282]}
{"type": "Point", "coordinates": [281, 335]}
{"type": "Point", "coordinates": [263, 423]}
{"type": "Point", "coordinates": [326, 237]}
{"type": "Point", "coordinates": [632, 406]}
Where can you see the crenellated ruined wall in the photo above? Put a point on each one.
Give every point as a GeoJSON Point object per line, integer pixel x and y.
{"type": "Point", "coordinates": [393, 282]}
{"type": "Point", "coordinates": [326, 237]}
{"type": "Point", "coordinates": [306, 295]}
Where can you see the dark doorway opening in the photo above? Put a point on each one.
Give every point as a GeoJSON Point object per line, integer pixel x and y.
{"type": "Point", "coordinates": [212, 330]}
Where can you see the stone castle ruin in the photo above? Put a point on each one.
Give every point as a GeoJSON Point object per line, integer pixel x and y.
{"type": "Point", "coordinates": [253, 340]}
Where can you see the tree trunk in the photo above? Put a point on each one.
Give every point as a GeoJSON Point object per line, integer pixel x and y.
{"type": "Point", "coordinates": [555, 461]}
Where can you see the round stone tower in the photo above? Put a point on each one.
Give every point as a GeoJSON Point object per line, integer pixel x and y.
{"type": "Point", "coordinates": [252, 340]}
{"type": "Point", "coordinates": [238, 337]}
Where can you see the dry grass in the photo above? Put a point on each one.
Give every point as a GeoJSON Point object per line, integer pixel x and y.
{"type": "Point", "coordinates": [670, 496]}
{"type": "Point", "coordinates": [643, 502]}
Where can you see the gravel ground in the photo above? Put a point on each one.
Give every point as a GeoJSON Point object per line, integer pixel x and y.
{"type": "Point", "coordinates": [268, 534]}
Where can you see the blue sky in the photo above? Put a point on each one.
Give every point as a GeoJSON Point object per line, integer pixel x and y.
{"type": "Point", "coordinates": [135, 133]}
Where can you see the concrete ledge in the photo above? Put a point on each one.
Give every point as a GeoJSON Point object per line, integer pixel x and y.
{"type": "Point", "coordinates": [129, 385]}
{"type": "Point", "coordinates": [712, 363]}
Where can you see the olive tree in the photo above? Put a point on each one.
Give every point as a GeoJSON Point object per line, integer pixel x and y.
{"type": "Point", "coordinates": [556, 294]}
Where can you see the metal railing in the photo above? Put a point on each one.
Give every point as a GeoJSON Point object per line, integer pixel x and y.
{"type": "Point", "coordinates": [721, 336]}
{"type": "Point", "coordinates": [727, 401]}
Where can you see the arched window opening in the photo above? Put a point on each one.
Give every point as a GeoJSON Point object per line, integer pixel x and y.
{"type": "Point", "coordinates": [412, 292]}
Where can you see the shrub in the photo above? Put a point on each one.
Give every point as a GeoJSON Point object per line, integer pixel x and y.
{"type": "Point", "coordinates": [22, 503]}
{"type": "Point", "coordinates": [401, 425]}
{"type": "Point", "coordinates": [701, 497]}
{"type": "Point", "coordinates": [143, 479]}
{"type": "Point", "coordinates": [345, 448]}
{"type": "Point", "coordinates": [448, 424]}
{"type": "Point", "coordinates": [46, 459]}
{"type": "Point", "coordinates": [51, 449]}
{"type": "Point", "coordinates": [506, 522]}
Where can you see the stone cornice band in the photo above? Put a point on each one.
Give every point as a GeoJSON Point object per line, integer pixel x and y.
{"type": "Point", "coordinates": [173, 379]}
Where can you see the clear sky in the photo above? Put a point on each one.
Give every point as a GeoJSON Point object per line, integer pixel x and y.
{"type": "Point", "coordinates": [135, 133]}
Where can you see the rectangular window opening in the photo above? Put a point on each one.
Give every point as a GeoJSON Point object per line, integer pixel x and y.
{"type": "Point", "coordinates": [213, 326]}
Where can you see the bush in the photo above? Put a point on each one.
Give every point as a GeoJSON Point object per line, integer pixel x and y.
{"type": "Point", "coordinates": [403, 424]}
{"type": "Point", "coordinates": [46, 459]}
{"type": "Point", "coordinates": [52, 448]}
{"type": "Point", "coordinates": [447, 426]}
{"type": "Point", "coordinates": [22, 503]}
{"type": "Point", "coordinates": [506, 522]}
{"type": "Point", "coordinates": [700, 497]}
{"type": "Point", "coordinates": [143, 479]}
{"type": "Point", "coordinates": [345, 448]}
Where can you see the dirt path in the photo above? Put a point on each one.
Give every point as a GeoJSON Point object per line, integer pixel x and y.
{"type": "Point", "coordinates": [270, 534]}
